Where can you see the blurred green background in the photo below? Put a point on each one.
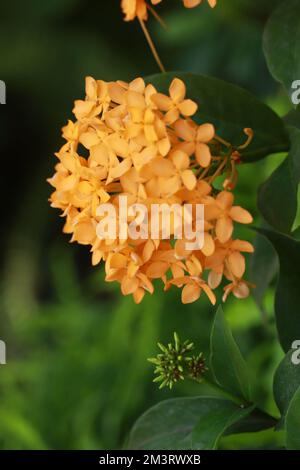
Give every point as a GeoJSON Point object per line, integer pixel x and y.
{"type": "Point", "coordinates": [76, 374]}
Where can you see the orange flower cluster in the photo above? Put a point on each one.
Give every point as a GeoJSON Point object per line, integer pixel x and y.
{"type": "Point", "coordinates": [129, 140]}
{"type": "Point", "coordinates": [139, 8]}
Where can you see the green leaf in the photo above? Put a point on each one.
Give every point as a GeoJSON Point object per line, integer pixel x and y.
{"type": "Point", "coordinates": [263, 268]}
{"type": "Point", "coordinates": [22, 430]}
{"type": "Point", "coordinates": [293, 423]}
{"type": "Point", "coordinates": [282, 45]}
{"type": "Point", "coordinates": [226, 362]}
{"type": "Point", "coordinates": [256, 421]}
{"type": "Point", "coordinates": [292, 121]}
{"type": "Point", "coordinates": [277, 197]}
{"type": "Point", "coordinates": [287, 298]}
{"type": "Point", "coordinates": [286, 383]}
{"type": "Point", "coordinates": [185, 424]}
{"type": "Point", "coordinates": [296, 233]}
{"type": "Point", "coordinates": [294, 133]}
{"type": "Point", "coordinates": [231, 109]}
{"type": "Point", "coordinates": [292, 118]}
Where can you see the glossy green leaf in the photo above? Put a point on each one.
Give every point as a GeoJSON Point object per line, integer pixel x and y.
{"type": "Point", "coordinates": [282, 45]}
{"type": "Point", "coordinates": [231, 109]}
{"type": "Point", "coordinates": [185, 424]}
{"type": "Point", "coordinates": [287, 299]}
{"type": "Point", "coordinates": [277, 197]}
{"type": "Point", "coordinates": [226, 362]}
{"type": "Point", "coordinates": [263, 268]}
{"type": "Point", "coordinates": [296, 233]}
{"type": "Point", "coordinates": [292, 121]}
{"type": "Point", "coordinates": [286, 381]}
{"type": "Point", "coordinates": [293, 423]}
{"type": "Point", "coordinates": [292, 118]}
{"type": "Point", "coordinates": [256, 421]}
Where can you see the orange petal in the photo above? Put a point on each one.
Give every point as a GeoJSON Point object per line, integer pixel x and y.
{"type": "Point", "coordinates": [84, 233]}
{"type": "Point", "coordinates": [205, 133]}
{"type": "Point", "coordinates": [171, 116]}
{"type": "Point", "coordinates": [211, 211]}
{"type": "Point", "coordinates": [190, 293]}
{"type": "Point", "coordinates": [177, 271]}
{"type": "Point", "coordinates": [194, 266]}
{"type": "Point", "coordinates": [180, 251]}
{"type": "Point", "coordinates": [187, 108]}
{"type": "Point", "coordinates": [148, 250]}
{"type": "Point", "coordinates": [185, 130]}
{"type": "Point", "coordinates": [227, 290]}
{"type": "Point", "coordinates": [116, 92]}
{"type": "Point", "coordinates": [212, 3]}
{"type": "Point", "coordinates": [189, 179]}
{"type": "Point", "coordinates": [138, 295]}
{"type": "Point", "coordinates": [85, 188]}
{"type": "Point", "coordinates": [209, 293]}
{"type": "Point", "coordinates": [216, 259]}
{"type": "Point", "coordinates": [164, 146]}
{"type": "Point", "coordinates": [82, 108]}
{"type": "Point", "coordinates": [150, 133]}
{"type": "Point", "coordinates": [241, 245]}
{"type": "Point", "coordinates": [121, 169]}
{"type": "Point", "coordinates": [180, 159]}
{"type": "Point", "coordinates": [129, 285]}
{"type": "Point", "coordinates": [132, 270]}
{"type": "Point", "coordinates": [162, 167]}
{"type": "Point", "coordinates": [203, 155]}
{"type": "Point", "coordinates": [137, 85]}
{"type": "Point", "coordinates": [100, 154]}
{"type": "Point", "coordinates": [91, 88]}
{"type": "Point", "coordinates": [88, 139]}
{"type": "Point", "coordinates": [96, 257]}
{"type": "Point", "coordinates": [177, 90]}
{"type": "Point", "coordinates": [145, 283]}
{"type": "Point", "coordinates": [157, 269]}
{"type": "Point", "coordinates": [224, 229]}
{"type": "Point", "coordinates": [119, 146]}
{"type": "Point", "coordinates": [237, 264]}
{"type": "Point", "coordinates": [68, 161]}
{"type": "Point", "coordinates": [135, 100]}
{"type": "Point", "coordinates": [68, 183]}
{"type": "Point", "coordinates": [238, 214]}
{"type": "Point", "coordinates": [241, 291]}
{"type": "Point", "coordinates": [192, 3]}
{"type": "Point", "coordinates": [163, 102]}
{"type": "Point", "coordinates": [118, 261]}
{"type": "Point", "coordinates": [214, 279]}
{"type": "Point", "coordinates": [225, 199]}
{"type": "Point", "coordinates": [180, 281]}
{"type": "Point", "coordinates": [209, 245]}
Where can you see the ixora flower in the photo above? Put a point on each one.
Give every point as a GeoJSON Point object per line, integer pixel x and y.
{"type": "Point", "coordinates": [139, 8]}
{"type": "Point", "coordinates": [128, 140]}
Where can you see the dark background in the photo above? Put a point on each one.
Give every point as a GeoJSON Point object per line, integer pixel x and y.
{"type": "Point", "coordinates": [76, 374]}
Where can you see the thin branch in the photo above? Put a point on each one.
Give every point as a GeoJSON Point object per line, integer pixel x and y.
{"type": "Point", "coordinates": [151, 45]}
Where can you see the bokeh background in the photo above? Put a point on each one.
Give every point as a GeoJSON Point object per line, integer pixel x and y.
{"type": "Point", "coordinates": [77, 375]}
